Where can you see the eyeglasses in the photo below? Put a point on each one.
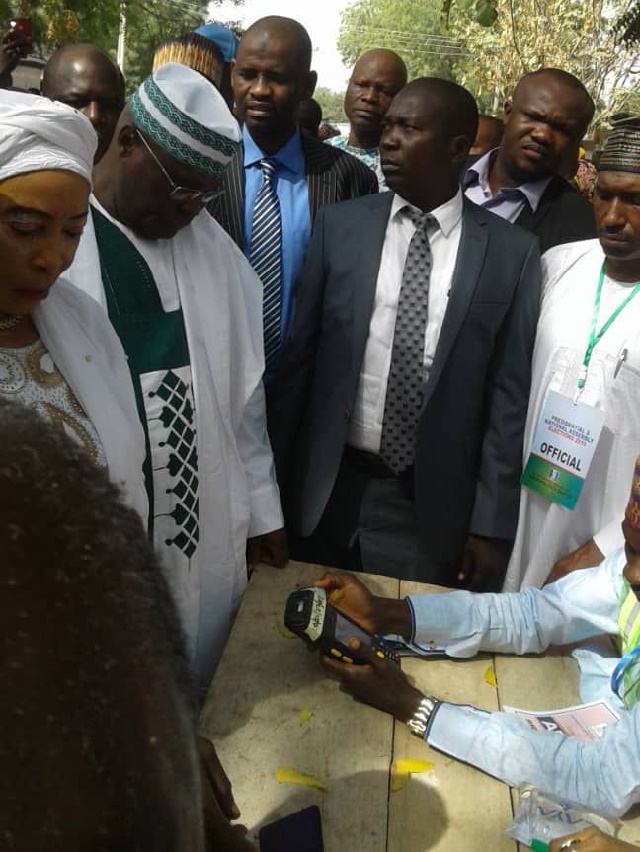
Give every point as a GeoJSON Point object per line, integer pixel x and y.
{"type": "Point", "coordinates": [180, 193]}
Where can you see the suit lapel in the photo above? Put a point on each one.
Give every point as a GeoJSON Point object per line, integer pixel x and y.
{"type": "Point", "coordinates": [373, 224]}
{"type": "Point", "coordinates": [471, 253]}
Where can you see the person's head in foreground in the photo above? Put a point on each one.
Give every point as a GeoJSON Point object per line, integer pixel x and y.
{"type": "Point", "coordinates": [376, 79]}
{"type": "Point", "coordinates": [545, 120]}
{"type": "Point", "coordinates": [87, 78]}
{"type": "Point", "coordinates": [168, 154]}
{"type": "Point", "coordinates": [426, 136]}
{"type": "Point", "coordinates": [489, 135]}
{"type": "Point", "coordinates": [194, 50]}
{"type": "Point", "coordinates": [99, 745]}
{"type": "Point", "coordinates": [616, 201]}
{"type": "Point", "coordinates": [271, 75]}
{"type": "Point", "coordinates": [46, 157]}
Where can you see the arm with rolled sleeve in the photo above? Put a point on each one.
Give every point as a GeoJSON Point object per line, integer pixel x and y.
{"type": "Point", "coordinates": [578, 606]}
{"type": "Point", "coordinates": [603, 775]}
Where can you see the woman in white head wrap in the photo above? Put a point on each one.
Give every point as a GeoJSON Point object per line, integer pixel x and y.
{"type": "Point", "coordinates": [58, 351]}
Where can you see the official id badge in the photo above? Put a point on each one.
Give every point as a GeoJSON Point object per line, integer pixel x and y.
{"type": "Point", "coordinates": [562, 449]}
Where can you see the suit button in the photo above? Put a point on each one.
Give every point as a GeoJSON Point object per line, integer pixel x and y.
{"type": "Point", "coordinates": [347, 414]}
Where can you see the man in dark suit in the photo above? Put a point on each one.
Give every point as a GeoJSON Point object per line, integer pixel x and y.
{"type": "Point", "coordinates": [290, 174]}
{"type": "Point", "coordinates": [520, 181]}
{"type": "Point", "coordinates": [398, 415]}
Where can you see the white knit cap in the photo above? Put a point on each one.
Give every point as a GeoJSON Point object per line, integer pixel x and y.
{"type": "Point", "coordinates": [187, 116]}
{"type": "Point", "coordinates": [37, 134]}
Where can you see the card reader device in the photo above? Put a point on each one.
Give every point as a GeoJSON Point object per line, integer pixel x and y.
{"type": "Point", "coordinates": [309, 614]}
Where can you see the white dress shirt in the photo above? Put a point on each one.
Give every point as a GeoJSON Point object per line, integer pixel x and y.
{"type": "Point", "coordinates": [366, 423]}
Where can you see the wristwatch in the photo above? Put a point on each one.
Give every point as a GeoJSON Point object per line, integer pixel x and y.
{"type": "Point", "coordinates": [419, 722]}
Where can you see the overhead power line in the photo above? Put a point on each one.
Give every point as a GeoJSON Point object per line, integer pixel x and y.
{"type": "Point", "coordinates": [427, 43]}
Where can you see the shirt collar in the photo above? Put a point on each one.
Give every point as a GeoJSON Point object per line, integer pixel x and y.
{"type": "Point", "coordinates": [290, 156]}
{"type": "Point", "coordinates": [447, 215]}
{"type": "Point", "coordinates": [478, 173]}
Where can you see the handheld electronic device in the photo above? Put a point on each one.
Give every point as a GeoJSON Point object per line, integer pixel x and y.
{"type": "Point", "coordinates": [309, 614]}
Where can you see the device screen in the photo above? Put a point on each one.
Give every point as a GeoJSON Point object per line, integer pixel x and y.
{"type": "Point", "coordinates": [345, 629]}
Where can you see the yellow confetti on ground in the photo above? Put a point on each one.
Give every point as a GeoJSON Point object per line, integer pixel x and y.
{"type": "Point", "coordinates": [306, 714]}
{"type": "Point", "coordinates": [282, 630]}
{"type": "Point", "coordinates": [402, 770]}
{"type": "Point", "coordinates": [490, 676]}
{"type": "Point", "coordinates": [287, 775]}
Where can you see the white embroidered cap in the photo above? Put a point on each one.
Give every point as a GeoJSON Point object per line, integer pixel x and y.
{"type": "Point", "coordinates": [187, 116]}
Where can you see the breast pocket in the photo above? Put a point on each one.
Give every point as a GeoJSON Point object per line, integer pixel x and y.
{"type": "Point", "coordinates": [623, 398]}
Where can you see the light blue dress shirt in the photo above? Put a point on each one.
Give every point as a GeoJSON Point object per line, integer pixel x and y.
{"type": "Point", "coordinates": [508, 200]}
{"type": "Point", "coordinates": [293, 195]}
{"type": "Point", "coordinates": [603, 775]}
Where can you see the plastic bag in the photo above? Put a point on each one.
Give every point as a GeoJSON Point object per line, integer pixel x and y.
{"type": "Point", "coordinates": [539, 817]}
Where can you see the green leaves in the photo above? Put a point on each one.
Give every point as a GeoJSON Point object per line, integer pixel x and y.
{"type": "Point", "coordinates": [486, 12]}
{"type": "Point", "coordinates": [97, 21]}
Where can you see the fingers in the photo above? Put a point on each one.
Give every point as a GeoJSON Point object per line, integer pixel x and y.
{"type": "Point", "coordinates": [330, 580]}
{"type": "Point", "coordinates": [578, 842]}
{"type": "Point", "coordinates": [465, 574]}
{"type": "Point", "coordinates": [214, 774]}
{"type": "Point", "coordinates": [364, 653]}
{"type": "Point", "coordinates": [479, 577]}
{"type": "Point", "coordinates": [347, 672]}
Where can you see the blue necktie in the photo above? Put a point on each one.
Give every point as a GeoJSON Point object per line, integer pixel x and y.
{"type": "Point", "coordinates": [405, 386]}
{"type": "Point", "coordinates": [266, 258]}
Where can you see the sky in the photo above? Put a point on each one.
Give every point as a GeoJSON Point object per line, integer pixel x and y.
{"type": "Point", "coordinates": [321, 19]}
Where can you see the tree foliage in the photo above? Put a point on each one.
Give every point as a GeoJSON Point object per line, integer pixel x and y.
{"type": "Point", "coordinates": [628, 24]}
{"type": "Point", "coordinates": [416, 29]}
{"type": "Point", "coordinates": [450, 38]}
{"type": "Point", "coordinates": [148, 22]}
{"type": "Point", "coordinates": [331, 103]}
{"type": "Point", "coordinates": [577, 36]}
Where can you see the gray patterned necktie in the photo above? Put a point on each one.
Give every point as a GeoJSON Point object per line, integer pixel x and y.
{"type": "Point", "coordinates": [266, 258]}
{"type": "Point", "coordinates": [405, 387]}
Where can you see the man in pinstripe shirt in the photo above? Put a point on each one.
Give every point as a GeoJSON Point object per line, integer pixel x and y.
{"type": "Point", "coordinates": [271, 75]}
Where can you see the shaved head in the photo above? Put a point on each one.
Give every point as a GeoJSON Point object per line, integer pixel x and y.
{"type": "Point", "coordinates": [376, 79]}
{"type": "Point", "coordinates": [87, 78]}
{"type": "Point", "coordinates": [286, 29]}
{"type": "Point", "coordinates": [271, 77]}
{"type": "Point", "coordinates": [547, 117]}
{"type": "Point", "coordinates": [561, 80]}
{"type": "Point", "coordinates": [389, 58]}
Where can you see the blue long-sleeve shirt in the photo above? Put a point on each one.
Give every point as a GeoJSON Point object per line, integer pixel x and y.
{"type": "Point", "coordinates": [604, 775]}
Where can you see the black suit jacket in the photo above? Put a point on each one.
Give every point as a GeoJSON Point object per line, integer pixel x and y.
{"type": "Point", "coordinates": [332, 175]}
{"type": "Point", "coordinates": [562, 216]}
{"type": "Point", "coordinates": [469, 438]}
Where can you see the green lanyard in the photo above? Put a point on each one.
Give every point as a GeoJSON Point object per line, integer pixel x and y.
{"type": "Point", "coordinates": [595, 337]}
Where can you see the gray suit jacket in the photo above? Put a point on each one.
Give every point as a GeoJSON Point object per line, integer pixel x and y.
{"type": "Point", "coordinates": [332, 175]}
{"type": "Point", "coordinates": [469, 438]}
